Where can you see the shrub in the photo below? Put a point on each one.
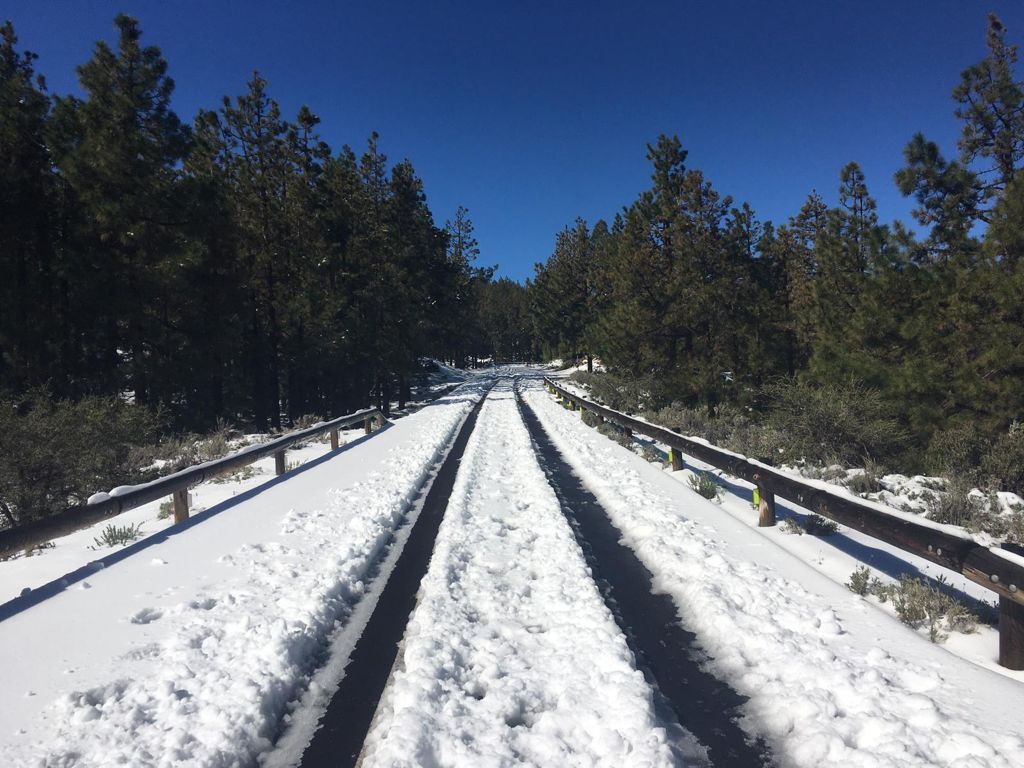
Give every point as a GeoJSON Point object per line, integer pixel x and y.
{"type": "Point", "coordinates": [726, 426]}
{"type": "Point", "coordinates": [956, 506]}
{"type": "Point", "coordinates": [791, 526]}
{"type": "Point", "coordinates": [582, 378]}
{"type": "Point", "coordinates": [1003, 464]}
{"type": "Point", "coordinates": [957, 451]}
{"type": "Point", "coordinates": [57, 453]}
{"type": "Point", "coordinates": [244, 473]}
{"type": "Point", "coordinates": [1015, 526]}
{"type": "Point", "coordinates": [652, 455]}
{"type": "Point", "coordinates": [864, 482]}
{"type": "Point", "coordinates": [816, 525]}
{"type": "Point", "coordinates": [590, 418]}
{"type": "Point", "coordinates": [834, 421]}
{"type": "Point", "coordinates": [703, 484]}
{"type": "Point", "coordinates": [118, 536]}
{"type": "Point", "coordinates": [623, 393]}
{"type": "Point", "coordinates": [307, 420]}
{"type": "Point", "coordinates": [609, 430]}
{"type": "Point", "coordinates": [921, 604]}
{"type": "Point", "coordinates": [859, 580]}
{"type": "Point", "coordinates": [189, 449]}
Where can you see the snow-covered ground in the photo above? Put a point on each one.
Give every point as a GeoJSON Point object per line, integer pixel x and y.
{"type": "Point", "coordinates": [832, 678]}
{"type": "Point", "coordinates": [511, 656]}
{"type": "Point", "coordinates": [196, 645]}
{"type": "Point", "coordinates": [189, 647]}
{"type": "Point", "coordinates": [914, 495]}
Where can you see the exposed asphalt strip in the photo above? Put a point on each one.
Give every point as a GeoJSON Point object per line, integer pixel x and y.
{"type": "Point", "coordinates": [339, 737]}
{"type": "Point", "coordinates": [665, 651]}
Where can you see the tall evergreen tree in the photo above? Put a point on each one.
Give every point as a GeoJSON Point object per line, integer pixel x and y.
{"type": "Point", "coordinates": [119, 151]}
{"type": "Point", "coordinates": [30, 315]}
{"type": "Point", "coordinates": [991, 105]}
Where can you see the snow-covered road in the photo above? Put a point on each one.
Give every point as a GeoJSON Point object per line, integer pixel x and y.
{"type": "Point", "coordinates": [511, 656]}
{"type": "Point", "coordinates": [190, 651]}
{"type": "Point", "coordinates": [831, 679]}
{"type": "Point", "coordinates": [198, 647]}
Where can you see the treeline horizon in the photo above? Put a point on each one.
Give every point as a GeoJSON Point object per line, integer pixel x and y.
{"type": "Point", "coordinates": [689, 298]}
{"type": "Point", "coordinates": [233, 268]}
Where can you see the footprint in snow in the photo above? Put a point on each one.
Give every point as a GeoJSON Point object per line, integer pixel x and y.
{"type": "Point", "coordinates": [146, 615]}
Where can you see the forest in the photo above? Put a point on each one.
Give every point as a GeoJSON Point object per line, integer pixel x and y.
{"type": "Point", "coordinates": [832, 336]}
{"type": "Point", "coordinates": [163, 277]}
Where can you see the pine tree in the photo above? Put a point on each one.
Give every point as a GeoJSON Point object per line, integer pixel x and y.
{"type": "Point", "coordinates": [949, 195]}
{"type": "Point", "coordinates": [30, 314]}
{"type": "Point", "coordinates": [991, 104]}
{"type": "Point", "coordinates": [119, 149]}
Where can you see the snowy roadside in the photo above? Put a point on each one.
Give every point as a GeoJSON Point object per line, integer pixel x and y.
{"type": "Point", "coordinates": [193, 648]}
{"type": "Point", "coordinates": [912, 497]}
{"type": "Point", "coordinates": [511, 656]}
{"type": "Point", "coordinates": [831, 679]}
{"type": "Point", "coordinates": [65, 554]}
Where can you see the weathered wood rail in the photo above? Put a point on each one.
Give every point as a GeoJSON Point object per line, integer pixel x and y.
{"type": "Point", "coordinates": [176, 485]}
{"type": "Point", "coordinates": [945, 546]}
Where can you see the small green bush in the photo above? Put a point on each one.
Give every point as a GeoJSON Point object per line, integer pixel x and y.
{"type": "Point", "coordinates": [864, 483]}
{"type": "Point", "coordinates": [791, 526]}
{"type": "Point", "coordinates": [859, 580]}
{"type": "Point", "coordinates": [609, 430]}
{"type": "Point", "coordinates": [166, 510]}
{"type": "Point", "coordinates": [652, 455]}
{"type": "Point", "coordinates": [623, 393]}
{"type": "Point", "coordinates": [590, 418]}
{"type": "Point", "coordinates": [307, 420]}
{"type": "Point", "coordinates": [189, 449]}
{"type": "Point", "coordinates": [957, 451]}
{"type": "Point", "coordinates": [118, 536]}
{"type": "Point", "coordinates": [703, 484]}
{"type": "Point", "coordinates": [1003, 463]}
{"type": "Point", "coordinates": [582, 378]}
{"type": "Point", "coordinates": [57, 453]}
{"type": "Point", "coordinates": [816, 525]}
{"type": "Point", "coordinates": [245, 473]}
{"type": "Point", "coordinates": [957, 506]}
{"type": "Point", "coordinates": [844, 422]}
{"type": "Point", "coordinates": [919, 603]}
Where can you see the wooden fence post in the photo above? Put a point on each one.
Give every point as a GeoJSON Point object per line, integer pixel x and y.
{"type": "Point", "coordinates": [368, 425]}
{"type": "Point", "coordinates": [675, 459]}
{"type": "Point", "coordinates": [334, 439]}
{"type": "Point", "coordinates": [279, 466]}
{"type": "Point", "coordinates": [766, 505]}
{"type": "Point", "coordinates": [181, 505]}
{"type": "Point", "coordinates": [1011, 633]}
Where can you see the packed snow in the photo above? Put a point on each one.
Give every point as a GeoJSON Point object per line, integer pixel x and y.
{"type": "Point", "coordinates": [192, 647]}
{"type": "Point", "coordinates": [831, 679]}
{"type": "Point", "coordinates": [198, 644]}
{"type": "Point", "coordinates": [511, 656]}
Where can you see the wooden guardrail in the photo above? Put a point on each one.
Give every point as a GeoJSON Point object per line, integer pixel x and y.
{"type": "Point", "coordinates": [103, 506]}
{"type": "Point", "coordinates": [994, 569]}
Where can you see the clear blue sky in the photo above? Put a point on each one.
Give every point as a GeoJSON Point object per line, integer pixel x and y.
{"type": "Point", "coordinates": [533, 113]}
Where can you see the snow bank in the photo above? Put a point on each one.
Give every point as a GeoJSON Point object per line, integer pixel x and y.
{"type": "Point", "coordinates": [831, 681]}
{"type": "Point", "coordinates": [511, 656]}
{"type": "Point", "coordinates": [191, 650]}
